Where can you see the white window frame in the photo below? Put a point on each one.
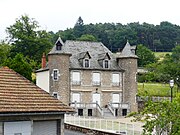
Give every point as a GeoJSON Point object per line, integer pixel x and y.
{"type": "Point", "coordinates": [84, 63]}
{"type": "Point", "coordinates": [73, 80]}
{"type": "Point", "coordinates": [115, 83]}
{"type": "Point", "coordinates": [55, 76]}
{"type": "Point", "coordinates": [104, 63]}
{"type": "Point", "coordinates": [96, 82]}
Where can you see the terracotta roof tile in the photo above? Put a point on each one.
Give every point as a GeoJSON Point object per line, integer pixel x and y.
{"type": "Point", "coordinates": [17, 94]}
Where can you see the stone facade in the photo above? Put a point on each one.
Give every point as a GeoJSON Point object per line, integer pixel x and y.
{"type": "Point", "coordinates": [60, 62]}
{"type": "Point", "coordinates": [73, 56]}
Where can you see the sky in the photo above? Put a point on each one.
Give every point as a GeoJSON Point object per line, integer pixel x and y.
{"type": "Point", "coordinates": [54, 15]}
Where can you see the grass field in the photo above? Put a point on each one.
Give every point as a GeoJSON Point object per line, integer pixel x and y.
{"type": "Point", "coordinates": [155, 89]}
{"type": "Point", "coordinates": [161, 55]}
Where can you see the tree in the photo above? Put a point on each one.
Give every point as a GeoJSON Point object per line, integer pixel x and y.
{"type": "Point", "coordinates": [87, 37]}
{"type": "Point", "coordinates": [161, 117]}
{"type": "Point", "coordinates": [19, 64]}
{"type": "Point", "coordinates": [4, 52]}
{"type": "Point", "coordinates": [79, 27]}
{"type": "Point", "coordinates": [146, 56]}
{"type": "Point", "coordinates": [25, 38]}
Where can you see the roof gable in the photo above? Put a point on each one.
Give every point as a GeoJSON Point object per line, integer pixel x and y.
{"type": "Point", "coordinates": [17, 94]}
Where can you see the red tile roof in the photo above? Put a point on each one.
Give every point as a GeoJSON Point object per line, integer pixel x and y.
{"type": "Point", "coordinates": [17, 94]}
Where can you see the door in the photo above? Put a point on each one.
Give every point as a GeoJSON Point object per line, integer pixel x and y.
{"type": "Point", "coordinates": [96, 99]}
{"type": "Point", "coordinates": [115, 100]}
{"type": "Point", "coordinates": [17, 128]}
{"type": "Point", "coordinates": [45, 128]}
{"type": "Point", "coordinates": [76, 98]}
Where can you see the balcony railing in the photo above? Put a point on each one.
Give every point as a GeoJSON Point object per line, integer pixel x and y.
{"type": "Point", "coordinates": [96, 83]}
{"type": "Point", "coordinates": [115, 83]}
{"type": "Point", "coordinates": [76, 82]}
{"type": "Point", "coordinates": [87, 105]}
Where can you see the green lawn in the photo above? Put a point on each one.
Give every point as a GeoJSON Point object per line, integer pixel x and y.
{"type": "Point", "coordinates": [155, 89]}
{"type": "Point", "coordinates": [161, 55]}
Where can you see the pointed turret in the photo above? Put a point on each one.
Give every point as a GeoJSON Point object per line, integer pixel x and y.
{"type": "Point", "coordinates": [128, 61]}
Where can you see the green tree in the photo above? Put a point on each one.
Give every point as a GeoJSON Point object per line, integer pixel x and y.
{"type": "Point", "coordinates": [25, 38]}
{"type": "Point", "coordinates": [4, 52]}
{"type": "Point", "coordinates": [146, 56]}
{"type": "Point", "coordinates": [160, 116]}
{"type": "Point", "coordinates": [19, 64]}
{"type": "Point", "coordinates": [79, 27]}
{"type": "Point", "coordinates": [87, 37]}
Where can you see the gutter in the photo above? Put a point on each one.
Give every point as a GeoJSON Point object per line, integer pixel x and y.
{"type": "Point", "coordinates": [31, 114]}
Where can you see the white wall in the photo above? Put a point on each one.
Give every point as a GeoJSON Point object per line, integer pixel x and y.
{"type": "Point", "coordinates": [42, 80]}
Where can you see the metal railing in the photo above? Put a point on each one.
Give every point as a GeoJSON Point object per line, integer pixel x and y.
{"type": "Point", "coordinates": [155, 99]}
{"type": "Point", "coordinates": [87, 105]}
{"type": "Point", "coordinates": [108, 125]}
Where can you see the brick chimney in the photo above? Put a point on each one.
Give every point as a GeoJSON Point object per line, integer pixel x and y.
{"type": "Point", "coordinates": [43, 61]}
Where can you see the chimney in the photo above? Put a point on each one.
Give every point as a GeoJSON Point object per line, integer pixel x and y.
{"type": "Point", "coordinates": [43, 61]}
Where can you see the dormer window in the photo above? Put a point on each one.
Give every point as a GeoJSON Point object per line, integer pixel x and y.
{"type": "Point", "coordinates": [106, 63]}
{"type": "Point", "coordinates": [58, 45]}
{"type": "Point", "coordinates": [86, 63]}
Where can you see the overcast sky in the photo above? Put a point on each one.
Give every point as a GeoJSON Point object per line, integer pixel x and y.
{"type": "Point", "coordinates": [54, 15]}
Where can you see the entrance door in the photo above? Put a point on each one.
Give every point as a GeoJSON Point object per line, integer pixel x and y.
{"type": "Point", "coordinates": [115, 99]}
{"type": "Point", "coordinates": [17, 128]}
{"type": "Point", "coordinates": [96, 99]}
{"type": "Point", "coordinates": [76, 98]}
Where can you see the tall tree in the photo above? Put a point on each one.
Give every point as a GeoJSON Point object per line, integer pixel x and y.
{"type": "Point", "coordinates": [4, 52]}
{"type": "Point", "coordinates": [146, 56]}
{"type": "Point", "coordinates": [19, 64]}
{"type": "Point", "coordinates": [25, 38]}
{"type": "Point", "coordinates": [79, 27]}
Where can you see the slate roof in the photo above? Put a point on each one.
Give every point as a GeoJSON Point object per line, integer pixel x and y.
{"type": "Point", "coordinates": [127, 51]}
{"type": "Point", "coordinates": [95, 50]}
{"type": "Point", "coordinates": [19, 95]}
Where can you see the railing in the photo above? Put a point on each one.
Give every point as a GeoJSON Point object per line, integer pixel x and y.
{"type": "Point", "coordinates": [111, 126]}
{"type": "Point", "coordinates": [155, 99]}
{"type": "Point", "coordinates": [87, 105]}
{"type": "Point", "coordinates": [76, 82]}
{"type": "Point", "coordinates": [96, 83]}
{"type": "Point", "coordinates": [112, 110]}
{"type": "Point", "coordinates": [120, 105]}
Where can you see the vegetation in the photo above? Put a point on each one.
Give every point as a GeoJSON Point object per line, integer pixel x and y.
{"type": "Point", "coordinates": [19, 64]}
{"type": "Point", "coordinates": [155, 89]}
{"type": "Point", "coordinates": [160, 117]}
{"type": "Point", "coordinates": [25, 38]}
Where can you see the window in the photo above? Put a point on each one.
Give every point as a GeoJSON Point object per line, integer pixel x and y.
{"type": "Point", "coordinates": [86, 63]}
{"type": "Point", "coordinates": [96, 79]}
{"type": "Point", "coordinates": [55, 95]}
{"type": "Point", "coordinates": [76, 80]}
{"type": "Point", "coordinates": [115, 79]}
{"type": "Point", "coordinates": [55, 75]}
{"type": "Point", "coordinates": [106, 63]}
{"type": "Point", "coordinates": [58, 45]}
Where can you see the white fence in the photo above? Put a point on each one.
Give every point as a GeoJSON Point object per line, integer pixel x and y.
{"type": "Point", "coordinates": [108, 125]}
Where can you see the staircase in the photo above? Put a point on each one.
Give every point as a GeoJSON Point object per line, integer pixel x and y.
{"type": "Point", "coordinates": [107, 113]}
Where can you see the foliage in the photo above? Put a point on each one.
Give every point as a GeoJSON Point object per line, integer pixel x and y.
{"type": "Point", "coordinates": [161, 37]}
{"type": "Point", "coordinates": [145, 55]}
{"type": "Point", "coordinates": [25, 38]}
{"type": "Point", "coordinates": [87, 37]}
{"type": "Point", "coordinates": [4, 52]}
{"type": "Point", "coordinates": [160, 116]}
{"type": "Point", "coordinates": [19, 64]}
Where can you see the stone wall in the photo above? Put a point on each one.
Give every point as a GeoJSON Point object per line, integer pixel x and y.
{"type": "Point", "coordinates": [86, 89]}
{"type": "Point", "coordinates": [129, 83]}
{"type": "Point", "coordinates": [62, 85]}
